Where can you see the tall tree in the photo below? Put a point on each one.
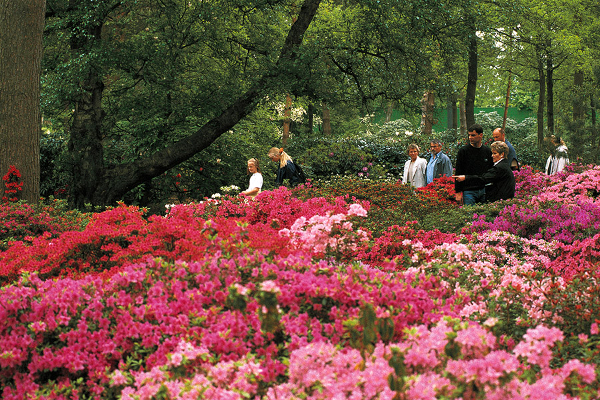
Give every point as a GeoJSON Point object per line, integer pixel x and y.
{"type": "Point", "coordinates": [99, 183]}
{"type": "Point", "coordinates": [472, 78]}
{"type": "Point", "coordinates": [21, 28]}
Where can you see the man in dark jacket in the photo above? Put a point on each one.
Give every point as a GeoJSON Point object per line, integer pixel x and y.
{"type": "Point", "coordinates": [472, 159]}
{"type": "Point", "coordinates": [499, 180]}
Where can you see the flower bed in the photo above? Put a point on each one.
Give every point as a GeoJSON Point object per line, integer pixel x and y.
{"type": "Point", "coordinates": [283, 298]}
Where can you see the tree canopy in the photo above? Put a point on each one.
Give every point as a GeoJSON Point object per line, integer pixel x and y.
{"type": "Point", "coordinates": [138, 87]}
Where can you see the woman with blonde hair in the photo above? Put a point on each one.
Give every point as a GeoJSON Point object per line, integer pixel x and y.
{"type": "Point", "coordinates": [287, 169]}
{"type": "Point", "coordinates": [256, 179]}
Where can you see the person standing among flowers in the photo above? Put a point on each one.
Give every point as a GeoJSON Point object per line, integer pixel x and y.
{"type": "Point", "coordinates": [256, 179]}
{"type": "Point", "coordinates": [472, 159]}
{"type": "Point", "coordinates": [559, 157]}
{"type": "Point", "coordinates": [499, 180]}
{"type": "Point", "coordinates": [287, 169]}
{"type": "Point", "coordinates": [499, 136]}
{"type": "Point", "coordinates": [439, 164]}
{"type": "Point", "coordinates": [414, 168]}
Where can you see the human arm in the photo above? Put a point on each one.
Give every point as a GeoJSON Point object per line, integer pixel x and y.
{"type": "Point", "coordinates": [255, 185]}
{"type": "Point", "coordinates": [251, 191]}
{"type": "Point", "coordinates": [446, 166]}
{"type": "Point", "coordinates": [497, 173]}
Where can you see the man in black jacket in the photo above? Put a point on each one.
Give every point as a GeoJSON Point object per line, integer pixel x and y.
{"type": "Point", "coordinates": [499, 180]}
{"type": "Point", "coordinates": [472, 159]}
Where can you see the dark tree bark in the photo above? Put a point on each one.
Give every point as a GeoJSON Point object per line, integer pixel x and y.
{"type": "Point", "coordinates": [550, 93]}
{"type": "Point", "coordinates": [287, 121]}
{"type": "Point", "coordinates": [326, 119]}
{"type": "Point", "coordinates": [310, 118]}
{"type": "Point", "coordinates": [578, 101]}
{"type": "Point", "coordinates": [463, 115]}
{"type": "Point", "coordinates": [541, 101]}
{"type": "Point", "coordinates": [451, 113]}
{"type": "Point", "coordinates": [427, 121]}
{"type": "Point", "coordinates": [21, 29]}
{"type": "Point", "coordinates": [389, 111]}
{"type": "Point", "coordinates": [105, 186]}
{"type": "Point", "coordinates": [471, 80]}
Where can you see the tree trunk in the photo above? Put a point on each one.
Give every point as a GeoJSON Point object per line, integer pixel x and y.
{"type": "Point", "coordinates": [326, 120]}
{"type": "Point", "coordinates": [21, 29]}
{"type": "Point", "coordinates": [550, 93]}
{"type": "Point", "coordinates": [287, 121]}
{"type": "Point", "coordinates": [541, 102]}
{"type": "Point", "coordinates": [311, 118]}
{"type": "Point", "coordinates": [389, 111]}
{"type": "Point", "coordinates": [593, 118]}
{"type": "Point", "coordinates": [118, 180]}
{"type": "Point", "coordinates": [427, 113]}
{"type": "Point", "coordinates": [463, 115]}
{"type": "Point", "coordinates": [451, 113]}
{"type": "Point", "coordinates": [578, 100]}
{"type": "Point", "coordinates": [507, 102]}
{"type": "Point", "coordinates": [471, 80]}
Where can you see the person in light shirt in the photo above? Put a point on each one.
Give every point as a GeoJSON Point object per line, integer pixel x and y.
{"type": "Point", "coordinates": [414, 168]}
{"type": "Point", "coordinates": [499, 181]}
{"type": "Point", "coordinates": [256, 179]}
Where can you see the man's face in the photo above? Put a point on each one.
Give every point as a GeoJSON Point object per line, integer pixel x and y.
{"type": "Point", "coordinates": [475, 138]}
{"type": "Point", "coordinates": [435, 148]}
{"type": "Point", "coordinates": [498, 136]}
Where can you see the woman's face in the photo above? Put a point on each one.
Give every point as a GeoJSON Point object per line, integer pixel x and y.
{"type": "Point", "coordinates": [251, 167]}
{"type": "Point", "coordinates": [497, 156]}
{"type": "Point", "coordinates": [274, 158]}
{"type": "Point", "coordinates": [413, 154]}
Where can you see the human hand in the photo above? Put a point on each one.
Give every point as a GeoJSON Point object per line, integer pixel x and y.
{"type": "Point", "coordinates": [459, 178]}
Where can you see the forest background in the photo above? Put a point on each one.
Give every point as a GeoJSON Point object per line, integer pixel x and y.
{"type": "Point", "coordinates": [153, 102]}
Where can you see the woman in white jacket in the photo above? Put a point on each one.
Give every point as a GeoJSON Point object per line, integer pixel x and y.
{"type": "Point", "coordinates": [414, 169]}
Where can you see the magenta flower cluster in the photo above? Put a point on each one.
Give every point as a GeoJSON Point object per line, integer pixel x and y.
{"type": "Point", "coordinates": [267, 299]}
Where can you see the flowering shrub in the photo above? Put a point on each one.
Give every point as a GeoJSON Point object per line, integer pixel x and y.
{"type": "Point", "coordinates": [290, 298]}
{"type": "Point", "coordinates": [12, 185]}
{"type": "Point", "coordinates": [327, 234]}
{"type": "Point", "coordinates": [23, 222]}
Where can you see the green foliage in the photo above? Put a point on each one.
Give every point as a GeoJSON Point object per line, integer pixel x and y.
{"type": "Point", "coordinates": [522, 135]}
{"type": "Point", "coordinates": [454, 219]}
{"type": "Point", "coordinates": [54, 179]}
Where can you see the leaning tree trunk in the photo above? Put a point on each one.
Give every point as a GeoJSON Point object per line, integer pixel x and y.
{"type": "Point", "coordinates": [21, 29]}
{"type": "Point", "coordinates": [120, 179]}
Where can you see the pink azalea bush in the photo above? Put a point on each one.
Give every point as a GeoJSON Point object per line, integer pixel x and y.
{"type": "Point", "coordinates": [282, 298]}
